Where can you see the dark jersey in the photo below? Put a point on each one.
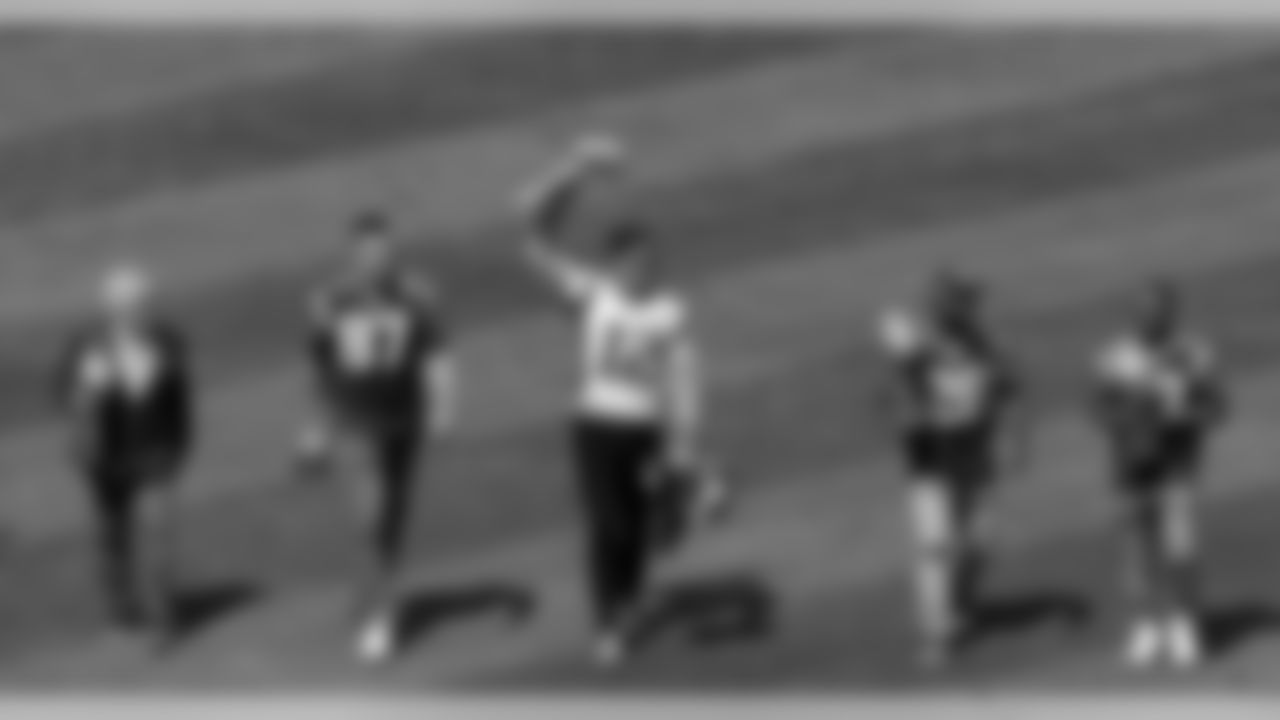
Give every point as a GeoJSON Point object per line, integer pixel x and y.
{"type": "Point", "coordinates": [129, 392]}
{"type": "Point", "coordinates": [1149, 393]}
{"type": "Point", "coordinates": [945, 383]}
{"type": "Point", "coordinates": [371, 343]}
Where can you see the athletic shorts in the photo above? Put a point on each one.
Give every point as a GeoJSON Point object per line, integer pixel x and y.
{"type": "Point", "coordinates": [1174, 456]}
{"type": "Point", "coordinates": [962, 454]}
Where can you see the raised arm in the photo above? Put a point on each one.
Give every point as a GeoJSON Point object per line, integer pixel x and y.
{"type": "Point", "coordinates": [549, 204]}
{"type": "Point", "coordinates": [898, 338]}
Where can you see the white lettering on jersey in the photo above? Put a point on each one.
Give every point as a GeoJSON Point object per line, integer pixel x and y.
{"type": "Point", "coordinates": [625, 345]}
{"type": "Point", "coordinates": [371, 339]}
{"type": "Point", "coordinates": [129, 364]}
{"type": "Point", "coordinates": [1167, 377]}
{"type": "Point", "coordinates": [957, 388]}
{"type": "Point", "coordinates": [961, 389]}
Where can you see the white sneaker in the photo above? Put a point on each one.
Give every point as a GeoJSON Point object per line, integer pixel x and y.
{"type": "Point", "coordinates": [1183, 643]}
{"type": "Point", "coordinates": [1143, 646]}
{"type": "Point", "coordinates": [376, 643]}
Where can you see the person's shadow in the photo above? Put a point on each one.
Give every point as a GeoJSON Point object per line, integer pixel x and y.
{"type": "Point", "coordinates": [713, 611]}
{"type": "Point", "coordinates": [996, 615]}
{"type": "Point", "coordinates": [198, 607]}
{"type": "Point", "coordinates": [1228, 626]}
{"type": "Point", "coordinates": [429, 608]}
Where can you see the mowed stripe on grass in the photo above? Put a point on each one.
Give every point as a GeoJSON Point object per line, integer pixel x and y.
{"type": "Point", "coordinates": [67, 76]}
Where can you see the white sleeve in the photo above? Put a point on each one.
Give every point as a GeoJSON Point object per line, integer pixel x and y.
{"type": "Point", "coordinates": [899, 334]}
{"type": "Point", "coordinates": [576, 280]}
{"type": "Point", "coordinates": [1121, 363]}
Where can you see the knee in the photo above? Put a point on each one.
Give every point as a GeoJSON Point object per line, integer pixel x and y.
{"type": "Point", "coordinates": [932, 519]}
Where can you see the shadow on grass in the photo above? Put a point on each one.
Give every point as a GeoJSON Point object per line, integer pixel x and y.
{"type": "Point", "coordinates": [200, 607]}
{"type": "Point", "coordinates": [429, 608]}
{"type": "Point", "coordinates": [713, 611]}
{"type": "Point", "coordinates": [1229, 626]}
{"type": "Point", "coordinates": [1013, 613]}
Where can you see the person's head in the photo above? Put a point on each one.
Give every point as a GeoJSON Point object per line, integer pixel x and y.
{"type": "Point", "coordinates": [631, 255]}
{"type": "Point", "coordinates": [955, 301]}
{"type": "Point", "coordinates": [373, 247]}
{"type": "Point", "coordinates": [125, 293]}
{"type": "Point", "coordinates": [1159, 309]}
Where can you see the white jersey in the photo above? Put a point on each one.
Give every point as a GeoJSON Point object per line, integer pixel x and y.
{"type": "Point", "coordinates": [1168, 377]}
{"type": "Point", "coordinates": [625, 347]}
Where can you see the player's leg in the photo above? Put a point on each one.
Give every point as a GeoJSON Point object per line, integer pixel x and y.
{"type": "Point", "coordinates": [158, 536]}
{"type": "Point", "coordinates": [391, 513]}
{"type": "Point", "coordinates": [973, 478]}
{"type": "Point", "coordinates": [1142, 567]}
{"type": "Point", "coordinates": [1178, 543]}
{"type": "Point", "coordinates": [596, 455]}
{"type": "Point", "coordinates": [113, 506]}
{"type": "Point", "coordinates": [931, 518]}
{"type": "Point", "coordinates": [638, 451]}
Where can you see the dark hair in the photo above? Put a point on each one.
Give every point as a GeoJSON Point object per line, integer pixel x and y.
{"type": "Point", "coordinates": [627, 238]}
{"type": "Point", "coordinates": [954, 288]}
{"type": "Point", "coordinates": [1161, 299]}
{"type": "Point", "coordinates": [371, 222]}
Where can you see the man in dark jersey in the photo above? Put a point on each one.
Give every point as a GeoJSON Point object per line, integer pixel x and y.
{"type": "Point", "coordinates": [126, 388]}
{"type": "Point", "coordinates": [1159, 399]}
{"type": "Point", "coordinates": [951, 391]}
{"type": "Point", "coordinates": [383, 381]}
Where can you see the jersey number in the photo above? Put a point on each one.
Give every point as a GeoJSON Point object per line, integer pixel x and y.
{"type": "Point", "coordinates": [372, 341]}
{"type": "Point", "coordinates": [130, 368]}
{"type": "Point", "coordinates": [626, 357]}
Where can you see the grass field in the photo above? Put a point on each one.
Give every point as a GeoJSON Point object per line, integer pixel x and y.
{"type": "Point", "coordinates": [804, 179]}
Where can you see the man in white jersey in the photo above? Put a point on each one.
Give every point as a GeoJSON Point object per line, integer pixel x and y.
{"type": "Point", "coordinates": [1158, 400]}
{"type": "Point", "coordinates": [949, 399]}
{"type": "Point", "coordinates": [638, 408]}
{"type": "Point", "coordinates": [126, 388]}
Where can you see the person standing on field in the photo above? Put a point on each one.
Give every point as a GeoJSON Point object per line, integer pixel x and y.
{"type": "Point", "coordinates": [1159, 401]}
{"type": "Point", "coordinates": [386, 388]}
{"type": "Point", "coordinates": [126, 388]}
{"type": "Point", "coordinates": [951, 391]}
{"type": "Point", "coordinates": [638, 411]}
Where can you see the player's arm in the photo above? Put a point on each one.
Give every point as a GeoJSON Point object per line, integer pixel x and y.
{"type": "Point", "coordinates": [440, 367]}
{"type": "Point", "coordinates": [1017, 408]}
{"type": "Point", "coordinates": [549, 205]}
{"type": "Point", "coordinates": [1214, 401]}
{"type": "Point", "coordinates": [1116, 367]}
{"type": "Point", "coordinates": [898, 339]}
{"type": "Point", "coordinates": [318, 343]}
{"type": "Point", "coordinates": [686, 383]}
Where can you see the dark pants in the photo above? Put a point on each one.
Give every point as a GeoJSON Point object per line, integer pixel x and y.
{"type": "Point", "coordinates": [389, 451]}
{"type": "Point", "coordinates": [394, 456]}
{"type": "Point", "coordinates": [614, 460]}
{"type": "Point", "coordinates": [134, 548]}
